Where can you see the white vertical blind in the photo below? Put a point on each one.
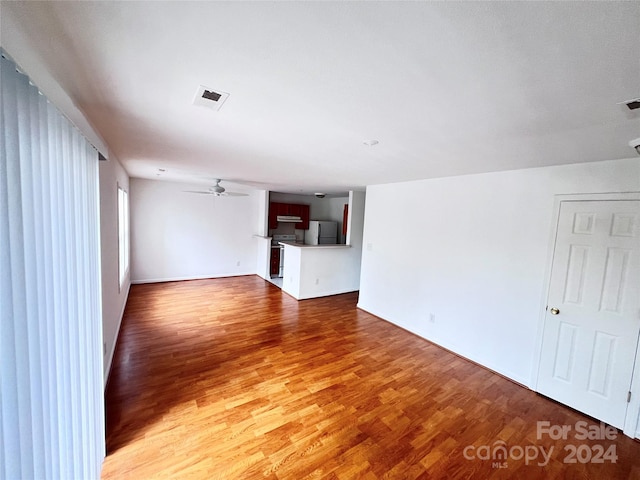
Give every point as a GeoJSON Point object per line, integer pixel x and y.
{"type": "Point", "coordinates": [51, 398]}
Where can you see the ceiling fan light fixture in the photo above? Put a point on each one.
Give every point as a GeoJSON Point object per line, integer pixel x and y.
{"type": "Point", "coordinates": [217, 189]}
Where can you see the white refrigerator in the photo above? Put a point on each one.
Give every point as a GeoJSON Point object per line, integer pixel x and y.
{"type": "Point", "coordinates": [321, 233]}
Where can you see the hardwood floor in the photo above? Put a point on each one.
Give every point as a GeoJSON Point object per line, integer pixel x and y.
{"type": "Point", "coordinates": [232, 379]}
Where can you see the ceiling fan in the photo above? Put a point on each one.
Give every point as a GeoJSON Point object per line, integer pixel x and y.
{"type": "Point", "coordinates": [218, 191]}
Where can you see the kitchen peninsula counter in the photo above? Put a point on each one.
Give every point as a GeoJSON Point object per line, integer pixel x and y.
{"type": "Point", "coordinates": [304, 245]}
{"type": "Point", "coordinates": [311, 271]}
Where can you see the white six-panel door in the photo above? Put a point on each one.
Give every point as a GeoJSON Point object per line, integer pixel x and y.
{"type": "Point", "coordinates": [592, 320]}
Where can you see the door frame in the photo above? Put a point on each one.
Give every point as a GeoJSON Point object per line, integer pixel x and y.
{"type": "Point", "coordinates": [632, 421]}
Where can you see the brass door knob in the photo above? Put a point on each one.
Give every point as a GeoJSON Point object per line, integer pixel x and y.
{"type": "Point", "coordinates": [554, 311]}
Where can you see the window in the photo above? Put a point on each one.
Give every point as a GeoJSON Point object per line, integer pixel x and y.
{"type": "Point", "coordinates": [123, 234]}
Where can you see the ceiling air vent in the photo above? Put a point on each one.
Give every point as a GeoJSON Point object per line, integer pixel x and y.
{"type": "Point", "coordinates": [632, 104]}
{"type": "Point", "coordinates": [210, 97]}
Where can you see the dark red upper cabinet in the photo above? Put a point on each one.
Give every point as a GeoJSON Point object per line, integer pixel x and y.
{"type": "Point", "coordinates": [304, 214]}
{"type": "Point", "coordinates": [290, 209]}
{"type": "Point", "coordinates": [345, 219]}
{"type": "Point", "coordinates": [273, 215]}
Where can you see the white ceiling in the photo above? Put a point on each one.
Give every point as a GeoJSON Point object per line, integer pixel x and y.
{"type": "Point", "coordinates": [446, 88]}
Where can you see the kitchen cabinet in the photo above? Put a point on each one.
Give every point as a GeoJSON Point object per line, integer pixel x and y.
{"type": "Point", "coordinates": [345, 220]}
{"type": "Point", "coordinates": [299, 210]}
{"type": "Point", "coordinates": [274, 264]}
{"type": "Point", "coordinates": [294, 209]}
{"type": "Point", "coordinates": [305, 218]}
{"type": "Point", "coordinates": [283, 208]}
{"type": "Point", "coordinates": [273, 214]}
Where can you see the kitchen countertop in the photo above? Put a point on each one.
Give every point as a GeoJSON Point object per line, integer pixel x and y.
{"type": "Point", "coordinates": [303, 245]}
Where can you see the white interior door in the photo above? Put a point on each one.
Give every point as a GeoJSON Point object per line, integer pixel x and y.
{"type": "Point", "coordinates": [593, 310]}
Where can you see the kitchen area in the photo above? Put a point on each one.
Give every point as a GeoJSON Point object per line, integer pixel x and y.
{"type": "Point", "coordinates": [314, 243]}
{"type": "Point", "coordinates": [319, 232]}
{"type": "Point", "coordinates": [303, 220]}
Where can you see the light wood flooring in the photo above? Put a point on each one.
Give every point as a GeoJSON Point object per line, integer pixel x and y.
{"type": "Point", "coordinates": [233, 379]}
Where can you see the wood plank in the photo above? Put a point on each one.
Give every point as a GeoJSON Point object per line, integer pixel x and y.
{"type": "Point", "coordinates": [231, 379]}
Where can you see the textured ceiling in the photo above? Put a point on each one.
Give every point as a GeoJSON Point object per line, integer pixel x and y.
{"type": "Point", "coordinates": [446, 88]}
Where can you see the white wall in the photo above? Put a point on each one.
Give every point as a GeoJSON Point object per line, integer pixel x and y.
{"type": "Point", "coordinates": [261, 240]}
{"type": "Point", "coordinates": [473, 251]}
{"type": "Point", "coordinates": [114, 298]}
{"type": "Point", "coordinates": [311, 272]}
{"type": "Point", "coordinates": [292, 271]}
{"type": "Point", "coordinates": [177, 235]}
{"type": "Point", "coordinates": [262, 213]}
{"type": "Point", "coordinates": [263, 256]}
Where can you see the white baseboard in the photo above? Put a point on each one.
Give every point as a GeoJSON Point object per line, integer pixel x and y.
{"type": "Point", "coordinates": [328, 293]}
{"type": "Point", "coordinates": [195, 277]}
{"type": "Point", "coordinates": [112, 350]}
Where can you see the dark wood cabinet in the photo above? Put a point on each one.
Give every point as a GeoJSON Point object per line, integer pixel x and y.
{"type": "Point", "coordinates": [282, 208]}
{"type": "Point", "coordinates": [273, 214]}
{"type": "Point", "coordinates": [299, 210]}
{"type": "Point", "coordinates": [304, 214]}
{"type": "Point", "coordinates": [345, 219]}
{"type": "Point", "coordinates": [294, 209]}
{"type": "Point", "coordinates": [274, 265]}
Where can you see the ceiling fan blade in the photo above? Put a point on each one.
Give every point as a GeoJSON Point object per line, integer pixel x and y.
{"type": "Point", "coordinates": [235, 194]}
{"type": "Point", "coordinates": [199, 191]}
